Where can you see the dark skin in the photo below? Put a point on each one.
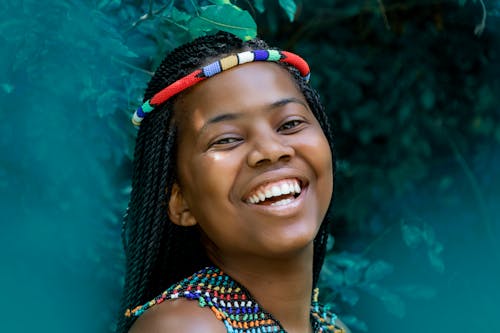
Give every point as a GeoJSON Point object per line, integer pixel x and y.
{"type": "Point", "coordinates": [242, 132]}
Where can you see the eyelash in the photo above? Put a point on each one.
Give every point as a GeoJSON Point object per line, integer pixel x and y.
{"type": "Point", "coordinates": [220, 141]}
{"type": "Point", "coordinates": [229, 142]}
{"type": "Point", "coordinates": [295, 122]}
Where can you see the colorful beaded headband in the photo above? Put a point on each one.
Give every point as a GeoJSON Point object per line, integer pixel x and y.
{"type": "Point", "coordinates": [216, 68]}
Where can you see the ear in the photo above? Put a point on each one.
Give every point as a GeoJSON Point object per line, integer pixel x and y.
{"type": "Point", "coordinates": [178, 209]}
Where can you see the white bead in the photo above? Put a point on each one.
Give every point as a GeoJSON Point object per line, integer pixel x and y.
{"type": "Point", "coordinates": [245, 57]}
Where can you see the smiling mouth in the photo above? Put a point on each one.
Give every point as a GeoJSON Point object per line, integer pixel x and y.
{"type": "Point", "coordinates": [278, 193]}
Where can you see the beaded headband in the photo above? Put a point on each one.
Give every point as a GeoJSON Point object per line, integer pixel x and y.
{"type": "Point", "coordinates": [216, 68]}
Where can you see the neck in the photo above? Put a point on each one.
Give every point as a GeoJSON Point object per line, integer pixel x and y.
{"type": "Point", "coordinates": [283, 287]}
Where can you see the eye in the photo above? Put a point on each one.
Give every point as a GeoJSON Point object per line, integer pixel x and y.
{"type": "Point", "coordinates": [226, 142]}
{"type": "Point", "coordinates": [291, 126]}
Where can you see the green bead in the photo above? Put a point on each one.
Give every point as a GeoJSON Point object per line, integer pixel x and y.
{"type": "Point", "coordinates": [274, 55]}
{"type": "Point", "coordinates": [146, 107]}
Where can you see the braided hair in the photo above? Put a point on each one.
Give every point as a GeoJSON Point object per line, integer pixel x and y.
{"type": "Point", "coordinates": [159, 252]}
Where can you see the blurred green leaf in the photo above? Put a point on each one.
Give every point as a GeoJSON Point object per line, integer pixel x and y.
{"type": "Point", "coordinates": [377, 271]}
{"type": "Point", "coordinates": [221, 2]}
{"type": "Point", "coordinates": [227, 18]}
{"type": "Point", "coordinates": [412, 235]}
{"type": "Point", "coordinates": [417, 291]}
{"type": "Point", "coordinates": [352, 275]}
{"type": "Point", "coordinates": [394, 304]}
{"type": "Point", "coordinates": [259, 5]}
{"type": "Point", "coordinates": [179, 16]}
{"type": "Point", "coordinates": [289, 7]}
{"type": "Point", "coordinates": [109, 4]}
{"type": "Point", "coordinates": [354, 323]}
{"type": "Point", "coordinates": [349, 296]}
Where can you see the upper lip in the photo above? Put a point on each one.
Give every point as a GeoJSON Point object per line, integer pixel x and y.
{"type": "Point", "coordinates": [271, 177]}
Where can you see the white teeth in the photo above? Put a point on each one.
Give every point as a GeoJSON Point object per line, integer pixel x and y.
{"type": "Point", "coordinates": [282, 202]}
{"type": "Point", "coordinates": [275, 191]}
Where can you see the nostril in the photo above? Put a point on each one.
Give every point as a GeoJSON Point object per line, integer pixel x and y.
{"type": "Point", "coordinates": [285, 158]}
{"type": "Point", "coordinates": [268, 150]}
{"type": "Point", "coordinates": [262, 162]}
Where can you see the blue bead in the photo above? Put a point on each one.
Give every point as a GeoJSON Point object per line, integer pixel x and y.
{"type": "Point", "coordinates": [261, 55]}
{"type": "Point", "coordinates": [212, 69]}
{"type": "Point", "coordinates": [140, 112]}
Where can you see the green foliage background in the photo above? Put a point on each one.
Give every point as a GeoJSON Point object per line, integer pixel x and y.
{"type": "Point", "coordinates": [412, 88]}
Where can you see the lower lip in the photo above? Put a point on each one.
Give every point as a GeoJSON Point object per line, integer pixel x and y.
{"type": "Point", "coordinates": [290, 208]}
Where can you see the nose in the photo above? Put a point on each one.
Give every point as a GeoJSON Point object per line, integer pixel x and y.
{"type": "Point", "coordinates": [269, 148]}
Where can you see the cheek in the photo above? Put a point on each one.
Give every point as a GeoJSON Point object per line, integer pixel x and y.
{"type": "Point", "coordinates": [322, 161]}
{"type": "Point", "coordinates": [212, 177]}
{"type": "Point", "coordinates": [320, 154]}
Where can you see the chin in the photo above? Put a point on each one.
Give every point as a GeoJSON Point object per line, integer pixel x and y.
{"type": "Point", "coordinates": [291, 243]}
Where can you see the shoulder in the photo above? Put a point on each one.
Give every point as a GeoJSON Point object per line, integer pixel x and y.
{"type": "Point", "coordinates": [179, 316]}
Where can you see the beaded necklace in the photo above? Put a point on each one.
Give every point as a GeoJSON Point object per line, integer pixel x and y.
{"type": "Point", "coordinates": [233, 305]}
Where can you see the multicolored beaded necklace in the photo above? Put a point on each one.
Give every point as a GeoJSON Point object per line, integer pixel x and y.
{"type": "Point", "coordinates": [233, 304]}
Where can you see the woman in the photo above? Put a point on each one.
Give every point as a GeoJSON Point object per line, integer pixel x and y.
{"type": "Point", "coordinates": [233, 176]}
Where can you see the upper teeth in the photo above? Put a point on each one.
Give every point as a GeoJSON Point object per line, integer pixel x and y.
{"type": "Point", "coordinates": [275, 190]}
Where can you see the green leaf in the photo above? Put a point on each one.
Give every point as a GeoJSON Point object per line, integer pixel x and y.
{"type": "Point", "coordinates": [417, 291]}
{"type": "Point", "coordinates": [394, 304]}
{"type": "Point", "coordinates": [221, 2]}
{"type": "Point", "coordinates": [179, 16]}
{"type": "Point", "coordinates": [435, 259]}
{"type": "Point", "coordinates": [289, 7]}
{"type": "Point", "coordinates": [226, 18]}
{"type": "Point", "coordinates": [7, 87]}
{"type": "Point", "coordinates": [428, 99]}
{"type": "Point", "coordinates": [377, 271]}
{"type": "Point", "coordinates": [259, 5]}
{"type": "Point", "coordinates": [412, 235]}
{"type": "Point", "coordinates": [352, 275]}
{"type": "Point", "coordinates": [350, 296]}
{"type": "Point", "coordinates": [497, 134]}
{"type": "Point", "coordinates": [109, 4]}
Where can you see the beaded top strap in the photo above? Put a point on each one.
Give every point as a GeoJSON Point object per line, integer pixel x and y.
{"type": "Point", "coordinates": [233, 305]}
{"type": "Point", "coordinates": [216, 68]}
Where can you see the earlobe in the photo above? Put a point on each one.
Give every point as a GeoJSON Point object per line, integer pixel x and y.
{"type": "Point", "coordinates": [178, 209]}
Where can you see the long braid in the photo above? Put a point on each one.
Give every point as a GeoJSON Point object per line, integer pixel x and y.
{"type": "Point", "coordinates": [320, 242]}
{"type": "Point", "coordinates": [158, 252]}
{"type": "Point", "coordinates": [146, 217]}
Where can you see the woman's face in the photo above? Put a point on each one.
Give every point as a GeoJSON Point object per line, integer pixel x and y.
{"type": "Point", "coordinates": [254, 166]}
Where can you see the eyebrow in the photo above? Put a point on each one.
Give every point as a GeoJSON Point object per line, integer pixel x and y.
{"type": "Point", "coordinates": [233, 116]}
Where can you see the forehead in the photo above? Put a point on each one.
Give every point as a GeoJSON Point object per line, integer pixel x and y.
{"type": "Point", "coordinates": [243, 88]}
